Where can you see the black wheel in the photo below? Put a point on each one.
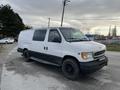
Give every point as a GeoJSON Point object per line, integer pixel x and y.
{"type": "Point", "coordinates": [26, 55]}
{"type": "Point", "coordinates": [70, 69]}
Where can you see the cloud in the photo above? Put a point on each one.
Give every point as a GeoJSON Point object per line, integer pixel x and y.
{"type": "Point", "coordinates": [78, 13]}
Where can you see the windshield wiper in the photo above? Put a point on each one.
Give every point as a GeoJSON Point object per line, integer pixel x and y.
{"type": "Point", "coordinates": [77, 39]}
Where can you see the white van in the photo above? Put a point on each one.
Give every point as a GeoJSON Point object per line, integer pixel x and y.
{"type": "Point", "coordinates": [66, 47]}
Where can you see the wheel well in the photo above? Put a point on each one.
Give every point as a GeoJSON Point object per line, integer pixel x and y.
{"type": "Point", "coordinates": [68, 56]}
{"type": "Point", "coordinates": [25, 49]}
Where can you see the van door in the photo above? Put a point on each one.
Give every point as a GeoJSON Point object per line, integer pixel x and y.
{"type": "Point", "coordinates": [37, 47]}
{"type": "Point", "coordinates": [54, 46]}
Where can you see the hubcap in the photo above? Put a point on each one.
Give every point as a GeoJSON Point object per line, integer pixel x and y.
{"type": "Point", "coordinates": [69, 69]}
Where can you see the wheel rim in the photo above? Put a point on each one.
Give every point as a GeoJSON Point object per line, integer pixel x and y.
{"type": "Point", "coordinates": [69, 69]}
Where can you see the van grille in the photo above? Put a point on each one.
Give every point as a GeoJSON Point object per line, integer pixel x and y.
{"type": "Point", "coordinates": [99, 55]}
{"type": "Point", "coordinates": [100, 52]}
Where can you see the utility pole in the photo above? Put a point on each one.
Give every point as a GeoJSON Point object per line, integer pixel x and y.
{"type": "Point", "coordinates": [48, 22]}
{"type": "Point", "coordinates": [109, 33]}
{"type": "Point", "coordinates": [114, 31]}
{"type": "Point", "coordinates": [63, 11]}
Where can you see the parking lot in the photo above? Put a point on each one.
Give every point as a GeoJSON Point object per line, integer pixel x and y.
{"type": "Point", "coordinates": [16, 74]}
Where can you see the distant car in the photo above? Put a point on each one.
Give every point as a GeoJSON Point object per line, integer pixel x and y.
{"type": "Point", "coordinates": [7, 41]}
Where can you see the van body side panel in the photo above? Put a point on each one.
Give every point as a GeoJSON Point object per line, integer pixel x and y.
{"type": "Point", "coordinates": [37, 50]}
{"type": "Point", "coordinates": [25, 38]}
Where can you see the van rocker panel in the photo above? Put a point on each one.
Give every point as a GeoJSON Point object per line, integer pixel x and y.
{"type": "Point", "coordinates": [46, 57]}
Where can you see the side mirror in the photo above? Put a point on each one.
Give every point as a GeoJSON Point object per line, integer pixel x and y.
{"type": "Point", "coordinates": [57, 40]}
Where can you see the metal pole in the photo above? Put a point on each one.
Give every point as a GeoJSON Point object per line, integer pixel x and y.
{"type": "Point", "coordinates": [48, 22]}
{"type": "Point", "coordinates": [64, 3]}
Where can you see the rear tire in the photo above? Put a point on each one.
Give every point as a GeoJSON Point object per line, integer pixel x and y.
{"type": "Point", "coordinates": [26, 55]}
{"type": "Point", "coordinates": [70, 69]}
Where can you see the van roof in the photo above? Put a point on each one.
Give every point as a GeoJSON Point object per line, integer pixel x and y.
{"type": "Point", "coordinates": [48, 27]}
{"type": "Point", "coordinates": [52, 27]}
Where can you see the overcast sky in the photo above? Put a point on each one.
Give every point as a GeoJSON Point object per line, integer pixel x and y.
{"type": "Point", "coordinates": [85, 14]}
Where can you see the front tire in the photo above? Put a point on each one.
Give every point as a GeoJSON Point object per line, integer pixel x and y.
{"type": "Point", "coordinates": [26, 55]}
{"type": "Point", "coordinates": [70, 69]}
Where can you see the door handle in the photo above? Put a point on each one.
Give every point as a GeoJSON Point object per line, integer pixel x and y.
{"type": "Point", "coordinates": [45, 48]}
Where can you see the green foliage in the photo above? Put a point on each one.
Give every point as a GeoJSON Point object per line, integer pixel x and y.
{"type": "Point", "coordinates": [10, 22]}
{"type": "Point", "coordinates": [27, 27]}
{"type": "Point", "coordinates": [113, 47]}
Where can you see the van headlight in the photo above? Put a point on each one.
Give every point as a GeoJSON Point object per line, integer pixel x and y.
{"type": "Point", "coordinates": [87, 55]}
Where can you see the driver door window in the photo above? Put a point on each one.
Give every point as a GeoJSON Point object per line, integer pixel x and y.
{"type": "Point", "coordinates": [54, 36]}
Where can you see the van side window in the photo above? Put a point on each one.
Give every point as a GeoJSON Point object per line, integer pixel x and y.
{"type": "Point", "coordinates": [39, 35]}
{"type": "Point", "coordinates": [54, 34]}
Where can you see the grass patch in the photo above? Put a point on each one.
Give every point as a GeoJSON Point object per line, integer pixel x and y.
{"type": "Point", "coordinates": [113, 47]}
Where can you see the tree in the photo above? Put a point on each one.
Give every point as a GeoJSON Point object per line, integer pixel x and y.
{"type": "Point", "coordinates": [10, 22]}
{"type": "Point", "coordinates": [27, 27]}
{"type": "Point", "coordinates": [109, 34]}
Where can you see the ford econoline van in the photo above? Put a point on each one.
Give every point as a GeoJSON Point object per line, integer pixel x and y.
{"type": "Point", "coordinates": [65, 47]}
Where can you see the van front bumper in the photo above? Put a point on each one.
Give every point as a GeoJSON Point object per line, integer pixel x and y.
{"type": "Point", "coordinates": [92, 66]}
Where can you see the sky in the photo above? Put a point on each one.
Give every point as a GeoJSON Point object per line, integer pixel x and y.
{"type": "Point", "coordinates": [90, 16]}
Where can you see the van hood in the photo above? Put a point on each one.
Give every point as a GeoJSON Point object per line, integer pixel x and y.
{"type": "Point", "coordinates": [88, 46]}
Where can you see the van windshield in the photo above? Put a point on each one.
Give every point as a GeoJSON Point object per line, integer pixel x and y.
{"type": "Point", "coordinates": [73, 35]}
